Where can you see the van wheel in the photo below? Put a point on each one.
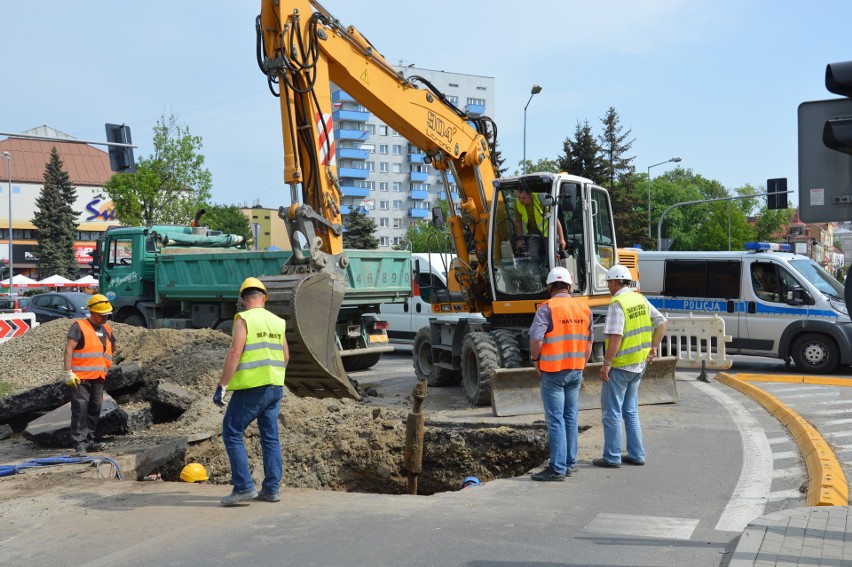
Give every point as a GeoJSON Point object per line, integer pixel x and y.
{"type": "Point", "coordinates": [479, 358]}
{"type": "Point", "coordinates": [424, 369]}
{"type": "Point", "coordinates": [507, 347]}
{"type": "Point", "coordinates": [817, 353]}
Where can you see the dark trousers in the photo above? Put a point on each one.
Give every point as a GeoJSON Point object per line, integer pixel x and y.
{"type": "Point", "coordinates": [86, 402]}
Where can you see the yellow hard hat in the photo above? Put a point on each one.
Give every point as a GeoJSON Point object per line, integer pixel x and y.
{"type": "Point", "coordinates": [193, 472]}
{"type": "Point", "coordinates": [252, 283]}
{"type": "Point", "coordinates": [99, 304]}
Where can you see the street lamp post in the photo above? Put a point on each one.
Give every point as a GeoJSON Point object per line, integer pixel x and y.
{"type": "Point", "coordinates": [8, 159]}
{"type": "Point", "coordinates": [534, 91]}
{"type": "Point", "coordinates": [672, 160]}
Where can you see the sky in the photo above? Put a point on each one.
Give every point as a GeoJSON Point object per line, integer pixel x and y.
{"type": "Point", "coordinates": [714, 83]}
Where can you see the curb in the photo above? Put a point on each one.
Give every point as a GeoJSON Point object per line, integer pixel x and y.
{"type": "Point", "coordinates": [827, 484]}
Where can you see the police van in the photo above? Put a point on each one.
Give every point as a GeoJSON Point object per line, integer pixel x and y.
{"type": "Point", "coordinates": [774, 303]}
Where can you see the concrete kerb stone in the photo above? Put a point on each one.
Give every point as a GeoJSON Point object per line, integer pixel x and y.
{"type": "Point", "coordinates": [827, 484]}
{"type": "Point", "coordinates": [137, 463]}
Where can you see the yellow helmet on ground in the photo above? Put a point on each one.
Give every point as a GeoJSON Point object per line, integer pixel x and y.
{"type": "Point", "coordinates": [193, 472]}
{"type": "Point", "coordinates": [99, 304]}
{"type": "Point", "coordinates": [252, 283]}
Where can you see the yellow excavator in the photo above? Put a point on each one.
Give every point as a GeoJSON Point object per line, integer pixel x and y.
{"type": "Point", "coordinates": [498, 267]}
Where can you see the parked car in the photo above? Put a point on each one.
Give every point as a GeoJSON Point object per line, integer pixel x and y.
{"type": "Point", "coordinates": [12, 304]}
{"type": "Point", "coordinates": [56, 305]}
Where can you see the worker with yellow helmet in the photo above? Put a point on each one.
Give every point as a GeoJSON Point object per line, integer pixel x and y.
{"type": "Point", "coordinates": [254, 374]}
{"type": "Point", "coordinates": [89, 349]}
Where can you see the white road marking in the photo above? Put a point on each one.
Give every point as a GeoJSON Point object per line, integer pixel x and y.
{"type": "Point", "coordinates": [787, 473]}
{"type": "Point", "coordinates": [646, 526]}
{"type": "Point", "coordinates": [747, 501]}
{"type": "Point", "coordinates": [811, 395]}
{"type": "Point", "coordinates": [777, 440]}
{"type": "Point", "coordinates": [833, 411]}
{"type": "Point", "coordinates": [838, 422]}
{"type": "Point", "coordinates": [786, 389]}
{"type": "Point", "coordinates": [838, 434]}
{"type": "Point", "coordinates": [785, 455]}
{"type": "Point", "coordinates": [784, 495]}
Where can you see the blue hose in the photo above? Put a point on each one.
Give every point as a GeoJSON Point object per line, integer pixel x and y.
{"type": "Point", "coordinates": [8, 470]}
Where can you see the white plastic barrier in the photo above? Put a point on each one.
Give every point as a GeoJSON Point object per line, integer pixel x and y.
{"type": "Point", "coordinates": [15, 324]}
{"type": "Point", "coordinates": [691, 340]}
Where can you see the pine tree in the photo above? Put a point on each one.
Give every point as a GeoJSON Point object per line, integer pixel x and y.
{"type": "Point", "coordinates": [582, 155]}
{"type": "Point", "coordinates": [359, 232]}
{"type": "Point", "coordinates": [619, 177]}
{"type": "Point", "coordinates": [55, 222]}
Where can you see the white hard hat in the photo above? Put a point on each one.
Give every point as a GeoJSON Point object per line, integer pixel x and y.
{"type": "Point", "coordinates": [619, 272]}
{"type": "Point", "coordinates": [560, 274]}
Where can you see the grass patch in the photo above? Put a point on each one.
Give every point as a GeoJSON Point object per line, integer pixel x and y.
{"type": "Point", "coordinates": [5, 388]}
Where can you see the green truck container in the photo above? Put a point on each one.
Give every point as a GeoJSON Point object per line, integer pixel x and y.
{"type": "Point", "coordinates": [183, 277]}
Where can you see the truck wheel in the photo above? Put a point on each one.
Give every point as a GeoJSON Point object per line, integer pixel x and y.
{"type": "Point", "coordinates": [423, 367]}
{"type": "Point", "coordinates": [226, 326]}
{"type": "Point", "coordinates": [361, 361]}
{"type": "Point", "coordinates": [135, 320]}
{"type": "Point", "coordinates": [479, 358]}
{"type": "Point", "coordinates": [813, 352]}
{"type": "Point", "coordinates": [507, 348]}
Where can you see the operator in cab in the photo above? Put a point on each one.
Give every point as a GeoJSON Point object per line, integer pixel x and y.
{"type": "Point", "coordinates": [530, 219]}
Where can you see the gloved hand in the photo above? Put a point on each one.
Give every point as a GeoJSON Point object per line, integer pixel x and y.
{"type": "Point", "coordinates": [71, 379]}
{"type": "Point", "coordinates": [219, 396]}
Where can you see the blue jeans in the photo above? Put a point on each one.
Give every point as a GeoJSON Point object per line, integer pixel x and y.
{"type": "Point", "coordinates": [559, 394]}
{"type": "Point", "coordinates": [620, 399]}
{"type": "Point", "coordinates": [262, 404]}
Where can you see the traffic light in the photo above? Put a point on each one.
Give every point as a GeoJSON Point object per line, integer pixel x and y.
{"type": "Point", "coordinates": [120, 158]}
{"type": "Point", "coordinates": [95, 263]}
{"type": "Point", "coordinates": [825, 151]}
{"type": "Point", "coordinates": [777, 189]}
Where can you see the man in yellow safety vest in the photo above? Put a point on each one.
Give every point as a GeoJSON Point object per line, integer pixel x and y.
{"type": "Point", "coordinates": [634, 329]}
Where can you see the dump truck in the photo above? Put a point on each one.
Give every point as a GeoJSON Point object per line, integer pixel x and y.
{"type": "Point", "coordinates": [189, 277]}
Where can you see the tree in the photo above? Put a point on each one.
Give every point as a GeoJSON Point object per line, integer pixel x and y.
{"type": "Point", "coordinates": [169, 186]}
{"type": "Point", "coordinates": [582, 155]}
{"type": "Point", "coordinates": [359, 232]}
{"type": "Point", "coordinates": [618, 175]}
{"type": "Point", "coordinates": [614, 145]}
{"type": "Point", "coordinates": [55, 222]}
{"type": "Point", "coordinates": [544, 164]}
{"type": "Point", "coordinates": [422, 236]}
{"type": "Point", "coordinates": [229, 219]}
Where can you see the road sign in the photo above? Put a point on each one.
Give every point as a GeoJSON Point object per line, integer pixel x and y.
{"type": "Point", "coordinates": [15, 324]}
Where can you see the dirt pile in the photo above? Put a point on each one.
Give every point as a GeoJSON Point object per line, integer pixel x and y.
{"type": "Point", "coordinates": [331, 444]}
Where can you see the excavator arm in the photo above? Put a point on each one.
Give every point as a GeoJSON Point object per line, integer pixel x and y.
{"type": "Point", "coordinates": [301, 47]}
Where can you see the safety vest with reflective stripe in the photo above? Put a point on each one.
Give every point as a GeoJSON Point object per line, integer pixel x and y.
{"type": "Point", "coordinates": [262, 362]}
{"type": "Point", "coordinates": [540, 221]}
{"type": "Point", "coordinates": [638, 330]}
{"type": "Point", "coordinates": [564, 348]}
{"type": "Point", "coordinates": [93, 360]}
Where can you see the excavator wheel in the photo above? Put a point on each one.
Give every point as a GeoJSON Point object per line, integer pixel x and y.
{"type": "Point", "coordinates": [507, 346]}
{"type": "Point", "coordinates": [479, 357]}
{"type": "Point", "coordinates": [424, 368]}
{"type": "Point", "coordinates": [310, 304]}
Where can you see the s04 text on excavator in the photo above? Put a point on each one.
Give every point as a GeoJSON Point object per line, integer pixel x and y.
{"type": "Point", "coordinates": [498, 268]}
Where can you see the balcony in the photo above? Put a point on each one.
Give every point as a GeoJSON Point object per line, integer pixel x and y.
{"type": "Point", "coordinates": [418, 176]}
{"type": "Point", "coordinates": [352, 173]}
{"type": "Point", "coordinates": [341, 96]}
{"type": "Point", "coordinates": [352, 153]}
{"type": "Point", "coordinates": [352, 191]}
{"type": "Point", "coordinates": [345, 209]}
{"type": "Point", "coordinates": [352, 115]}
{"type": "Point", "coordinates": [475, 110]}
{"type": "Point", "coordinates": [345, 134]}
{"type": "Point", "coordinates": [416, 158]}
{"type": "Point", "coordinates": [443, 195]}
{"type": "Point", "coordinates": [418, 213]}
{"type": "Point", "coordinates": [418, 195]}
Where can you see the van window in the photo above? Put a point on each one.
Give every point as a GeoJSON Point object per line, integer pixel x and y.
{"type": "Point", "coordinates": [702, 278]}
{"type": "Point", "coordinates": [764, 281]}
{"type": "Point", "coordinates": [427, 283]}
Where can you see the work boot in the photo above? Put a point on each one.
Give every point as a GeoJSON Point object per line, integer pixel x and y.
{"type": "Point", "coordinates": [236, 497]}
{"type": "Point", "coordinates": [571, 471]}
{"type": "Point", "coordinates": [80, 451]}
{"type": "Point", "coordinates": [548, 475]}
{"type": "Point", "coordinates": [97, 446]}
{"type": "Point", "coordinates": [606, 464]}
{"type": "Point", "coordinates": [268, 496]}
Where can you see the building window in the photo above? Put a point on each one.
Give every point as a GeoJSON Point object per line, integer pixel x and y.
{"type": "Point", "coordinates": [383, 149]}
{"type": "Point", "coordinates": [384, 222]}
{"type": "Point", "coordinates": [383, 130]}
{"type": "Point", "coordinates": [394, 132]}
{"type": "Point", "coordinates": [479, 101]}
{"type": "Point", "coordinates": [383, 241]}
{"type": "Point", "coordinates": [397, 223]}
{"type": "Point", "coordinates": [383, 205]}
{"type": "Point", "coordinates": [397, 150]}
{"type": "Point", "coordinates": [481, 88]}
{"type": "Point", "coordinates": [369, 147]}
{"type": "Point", "coordinates": [454, 85]}
{"type": "Point", "coordinates": [453, 99]}
{"type": "Point", "coordinates": [371, 129]}
{"type": "Point", "coordinates": [383, 166]}
{"type": "Point", "coordinates": [383, 186]}
{"type": "Point", "coordinates": [397, 240]}
{"type": "Point", "coordinates": [365, 185]}
{"type": "Point", "coordinates": [397, 205]}
{"type": "Point", "coordinates": [371, 166]}
{"type": "Point", "coordinates": [397, 186]}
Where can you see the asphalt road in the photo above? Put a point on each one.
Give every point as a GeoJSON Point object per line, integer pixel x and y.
{"type": "Point", "coordinates": [716, 460]}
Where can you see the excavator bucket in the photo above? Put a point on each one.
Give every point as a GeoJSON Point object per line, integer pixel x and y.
{"type": "Point", "coordinates": [515, 391]}
{"type": "Point", "coordinates": [310, 304]}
